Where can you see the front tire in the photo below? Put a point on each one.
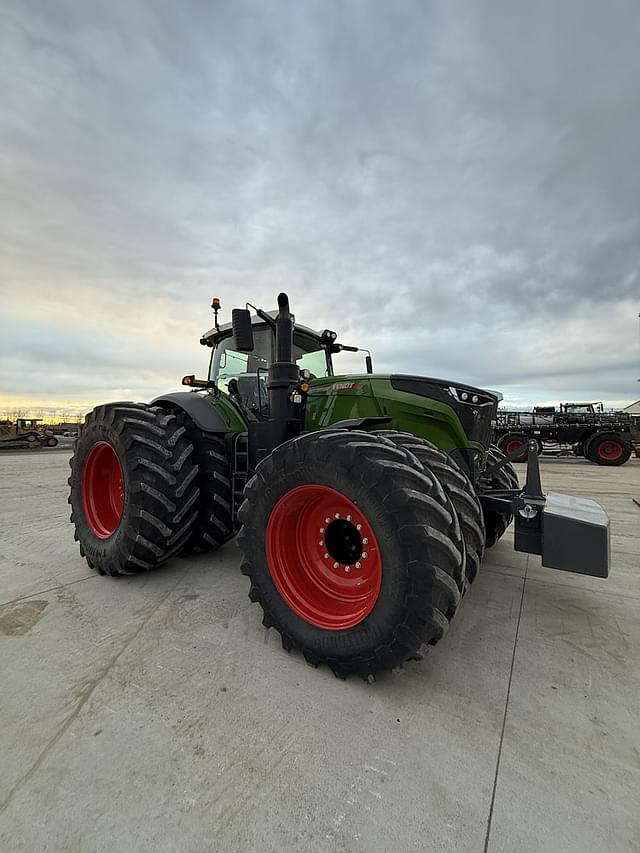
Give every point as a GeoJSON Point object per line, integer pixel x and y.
{"type": "Point", "coordinates": [459, 489]}
{"type": "Point", "coordinates": [133, 488]}
{"type": "Point", "coordinates": [496, 523]}
{"type": "Point", "coordinates": [352, 549]}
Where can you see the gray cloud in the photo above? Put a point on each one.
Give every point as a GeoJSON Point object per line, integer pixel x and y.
{"type": "Point", "coordinates": [458, 186]}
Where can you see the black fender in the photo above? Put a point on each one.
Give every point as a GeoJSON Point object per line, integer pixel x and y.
{"type": "Point", "coordinates": [202, 413]}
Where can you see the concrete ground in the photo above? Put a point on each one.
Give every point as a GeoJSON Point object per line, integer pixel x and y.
{"type": "Point", "coordinates": [156, 713]}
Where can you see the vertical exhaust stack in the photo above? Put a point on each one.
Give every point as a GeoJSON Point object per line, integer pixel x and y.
{"type": "Point", "coordinates": [284, 330]}
{"type": "Point", "coordinates": [283, 377]}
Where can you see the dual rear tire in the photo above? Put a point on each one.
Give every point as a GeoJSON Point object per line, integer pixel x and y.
{"type": "Point", "coordinates": [134, 488]}
{"type": "Point", "coordinates": [146, 484]}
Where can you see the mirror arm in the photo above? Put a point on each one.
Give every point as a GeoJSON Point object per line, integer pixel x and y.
{"type": "Point", "coordinates": [263, 315]}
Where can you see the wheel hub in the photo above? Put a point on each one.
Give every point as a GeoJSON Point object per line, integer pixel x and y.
{"type": "Point", "coordinates": [610, 450]}
{"type": "Point", "coordinates": [343, 542]}
{"type": "Point", "coordinates": [323, 557]}
{"type": "Point", "coordinates": [102, 490]}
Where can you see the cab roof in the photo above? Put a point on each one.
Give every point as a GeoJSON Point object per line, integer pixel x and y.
{"type": "Point", "coordinates": [212, 337]}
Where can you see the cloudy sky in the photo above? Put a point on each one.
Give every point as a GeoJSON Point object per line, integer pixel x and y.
{"type": "Point", "coordinates": [454, 184]}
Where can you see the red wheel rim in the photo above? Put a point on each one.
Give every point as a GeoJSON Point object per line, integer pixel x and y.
{"type": "Point", "coordinates": [514, 444]}
{"type": "Point", "coordinates": [102, 490]}
{"type": "Point", "coordinates": [610, 450]}
{"type": "Point", "coordinates": [323, 557]}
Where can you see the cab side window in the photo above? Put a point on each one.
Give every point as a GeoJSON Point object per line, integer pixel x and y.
{"type": "Point", "coordinates": [315, 362]}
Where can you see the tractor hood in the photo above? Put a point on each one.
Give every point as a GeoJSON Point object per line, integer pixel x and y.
{"type": "Point", "coordinates": [444, 389]}
{"type": "Point", "coordinates": [476, 408]}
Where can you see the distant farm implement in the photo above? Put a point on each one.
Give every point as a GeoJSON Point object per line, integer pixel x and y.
{"type": "Point", "coordinates": [605, 438]}
{"type": "Point", "coordinates": [25, 434]}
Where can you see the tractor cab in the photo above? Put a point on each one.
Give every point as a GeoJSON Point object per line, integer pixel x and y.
{"type": "Point", "coordinates": [581, 408]}
{"type": "Point", "coordinates": [242, 374]}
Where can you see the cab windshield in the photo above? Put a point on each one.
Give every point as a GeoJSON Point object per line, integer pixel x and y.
{"type": "Point", "coordinates": [243, 375]}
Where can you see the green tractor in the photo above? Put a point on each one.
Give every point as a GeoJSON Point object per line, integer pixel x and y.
{"type": "Point", "coordinates": [362, 503]}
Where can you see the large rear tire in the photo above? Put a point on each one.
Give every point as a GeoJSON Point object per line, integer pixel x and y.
{"type": "Point", "coordinates": [352, 549]}
{"type": "Point", "coordinates": [496, 523]}
{"type": "Point", "coordinates": [459, 489]}
{"type": "Point", "coordinates": [214, 525]}
{"type": "Point", "coordinates": [133, 488]}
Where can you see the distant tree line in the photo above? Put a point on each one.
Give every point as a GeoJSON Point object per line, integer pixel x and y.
{"type": "Point", "coordinates": [50, 416]}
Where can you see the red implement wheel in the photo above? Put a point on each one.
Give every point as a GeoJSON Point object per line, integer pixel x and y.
{"type": "Point", "coordinates": [608, 449]}
{"type": "Point", "coordinates": [324, 557]}
{"type": "Point", "coordinates": [102, 490]}
{"type": "Point", "coordinates": [514, 443]}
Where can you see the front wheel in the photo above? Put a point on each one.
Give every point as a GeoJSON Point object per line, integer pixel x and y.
{"type": "Point", "coordinates": [496, 523]}
{"type": "Point", "coordinates": [352, 549]}
{"type": "Point", "coordinates": [458, 488]}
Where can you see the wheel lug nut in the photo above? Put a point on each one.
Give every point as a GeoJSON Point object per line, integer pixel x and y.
{"type": "Point", "coordinates": [321, 543]}
{"type": "Point", "coordinates": [348, 518]}
{"type": "Point", "coordinates": [322, 530]}
{"type": "Point", "coordinates": [364, 555]}
{"type": "Point", "coordinates": [335, 565]}
{"type": "Point", "coordinates": [326, 556]}
{"type": "Point", "coordinates": [327, 520]}
{"type": "Point", "coordinates": [365, 541]}
{"type": "Point", "coordinates": [358, 527]}
{"type": "Point", "coordinates": [337, 515]}
{"type": "Point", "coordinates": [347, 568]}
{"type": "Point", "coordinates": [358, 565]}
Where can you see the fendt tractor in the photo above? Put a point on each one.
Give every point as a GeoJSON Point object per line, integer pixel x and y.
{"type": "Point", "coordinates": [362, 503]}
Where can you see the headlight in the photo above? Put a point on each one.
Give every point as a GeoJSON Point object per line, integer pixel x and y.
{"type": "Point", "coordinates": [469, 397]}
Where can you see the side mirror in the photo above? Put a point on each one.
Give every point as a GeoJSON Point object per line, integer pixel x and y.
{"type": "Point", "coordinates": [242, 329]}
